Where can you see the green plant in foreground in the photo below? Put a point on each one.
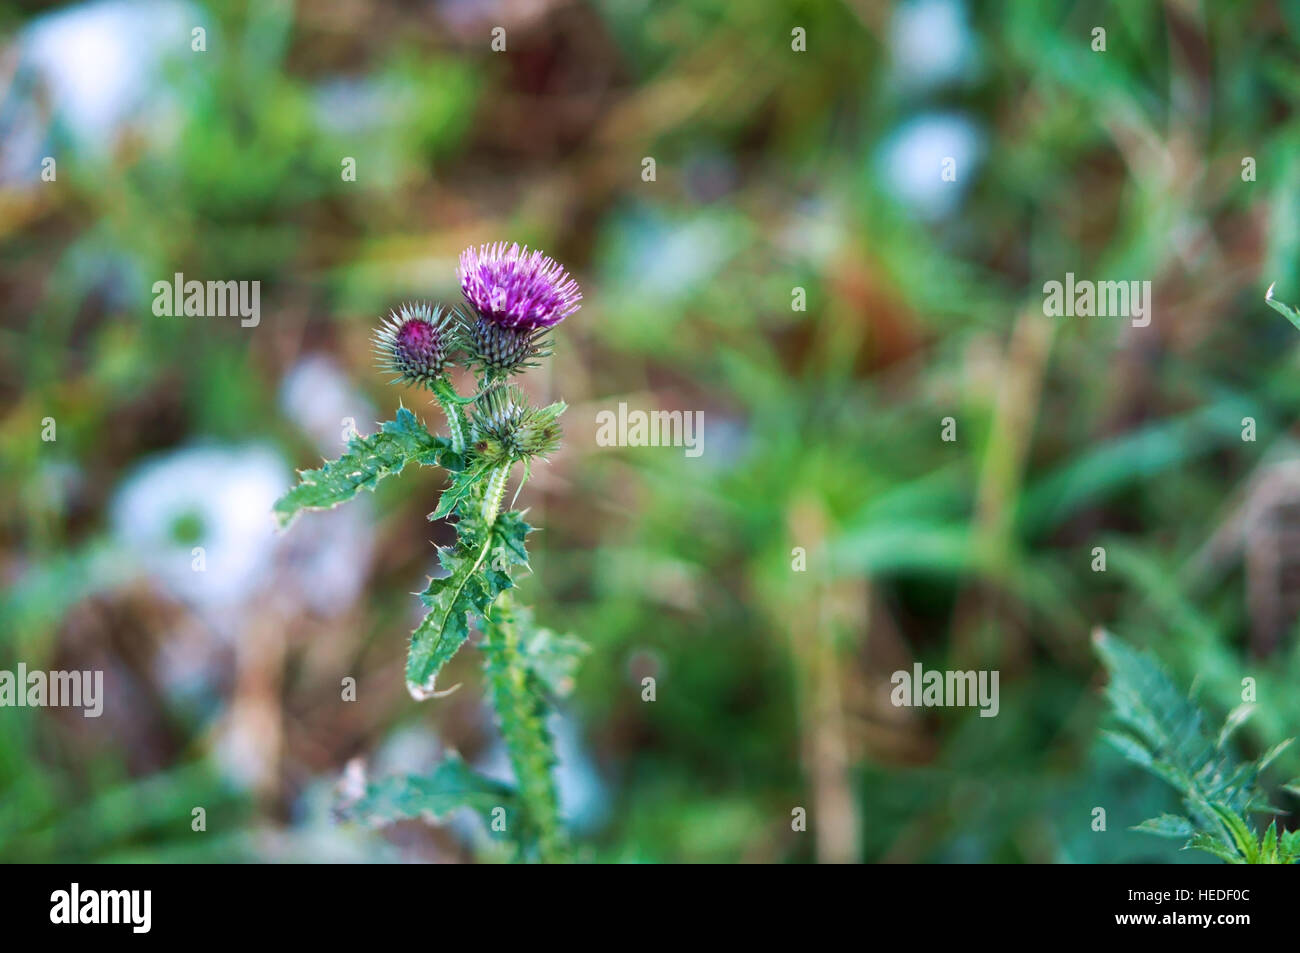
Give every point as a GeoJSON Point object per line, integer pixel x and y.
{"type": "Point", "coordinates": [514, 299]}
{"type": "Point", "coordinates": [1163, 732]}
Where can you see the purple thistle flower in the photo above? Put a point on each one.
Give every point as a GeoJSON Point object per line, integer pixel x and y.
{"type": "Point", "coordinates": [515, 288]}
{"type": "Point", "coordinates": [515, 297]}
{"type": "Point", "coordinates": [414, 343]}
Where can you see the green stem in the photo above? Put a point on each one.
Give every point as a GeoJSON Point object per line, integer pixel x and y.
{"type": "Point", "coordinates": [521, 712]}
{"type": "Point", "coordinates": [450, 402]}
{"type": "Point", "coordinates": [494, 492]}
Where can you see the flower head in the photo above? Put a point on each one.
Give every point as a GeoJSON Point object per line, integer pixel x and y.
{"type": "Point", "coordinates": [515, 288]}
{"type": "Point", "coordinates": [414, 343]}
{"type": "Point", "coordinates": [515, 297]}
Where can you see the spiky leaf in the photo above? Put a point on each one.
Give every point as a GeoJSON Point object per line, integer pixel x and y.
{"type": "Point", "coordinates": [1268, 846]}
{"type": "Point", "coordinates": [478, 570]}
{"type": "Point", "coordinates": [451, 785]}
{"type": "Point", "coordinates": [459, 490]}
{"type": "Point", "coordinates": [367, 461]}
{"type": "Point", "coordinates": [1289, 847]}
{"type": "Point", "coordinates": [1167, 825]}
{"type": "Point", "coordinates": [1212, 845]}
{"type": "Point", "coordinates": [551, 657]}
{"type": "Point", "coordinates": [1163, 732]}
{"type": "Point", "coordinates": [446, 625]}
{"type": "Point", "coordinates": [509, 532]}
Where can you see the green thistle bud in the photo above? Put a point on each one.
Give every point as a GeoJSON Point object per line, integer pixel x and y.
{"type": "Point", "coordinates": [505, 427]}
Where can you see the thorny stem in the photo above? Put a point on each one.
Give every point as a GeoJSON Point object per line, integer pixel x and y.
{"type": "Point", "coordinates": [494, 491]}
{"type": "Point", "coordinates": [521, 712]}
{"type": "Point", "coordinates": [450, 402]}
{"type": "Point", "coordinates": [516, 695]}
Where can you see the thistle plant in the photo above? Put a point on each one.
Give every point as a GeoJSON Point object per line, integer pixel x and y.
{"type": "Point", "coordinates": [1163, 732]}
{"type": "Point", "coordinates": [513, 300]}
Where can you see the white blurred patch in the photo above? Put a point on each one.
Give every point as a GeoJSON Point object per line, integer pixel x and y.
{"type": "Point", "coordinates": [930, 43]}
{"type": "Point", "coordinates": [316, 395]}
{"type": "Point", "coordinates": [99, 65]}
{"type": "Point", "coordinates": [217, 499]}
{"type": "Point", "coordinates": [657, 260]}
{"type": "Point", "coordinates": [325, 558]}
{"type": "Point", "coordinates": [327, 555]}
{"type": "Point", "coordinates": [911, 160]}
{"type": "Point", "coordinates": [410, 749]}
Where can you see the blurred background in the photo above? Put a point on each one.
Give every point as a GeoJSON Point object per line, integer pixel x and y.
{"type": "Point", "coordinates": [775, 170]}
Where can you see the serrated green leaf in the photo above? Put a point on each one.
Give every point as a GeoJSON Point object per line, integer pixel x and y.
{"type": "Point", "coordinates": [467, 588]}
{"type": "Point", "coordinates": [1211, 845]}
{"type": "Point", "coordinates": [1289, 847]}
{"type": "Point", "coordinates": [366, 461]}
{"type": "Point", "coordinates": [1167, 825]}
{"type": "Point", "coordinates": [460, 489]}
{"type": "Point", "coordinates": [1130, 748]}
{"type": "Point", "coordinates": [1168, 729]}
{"type": "Point", "coordinates": [508, 545]}
{"type": "Point", "coordinates": [451, 785]}
{"type": "Point", "coordinates": [1242, 836]}
{"type": "Point", "coordinates": [435, 641]}
{"type": "Point", "coordinates": [1163, 732]}
{"type": "Point", "coordinates": [552, 658]}
{"type": "Point", "coordinates": [496, 581]}
{"type": "Point", "coordinates": [1268, 847]}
